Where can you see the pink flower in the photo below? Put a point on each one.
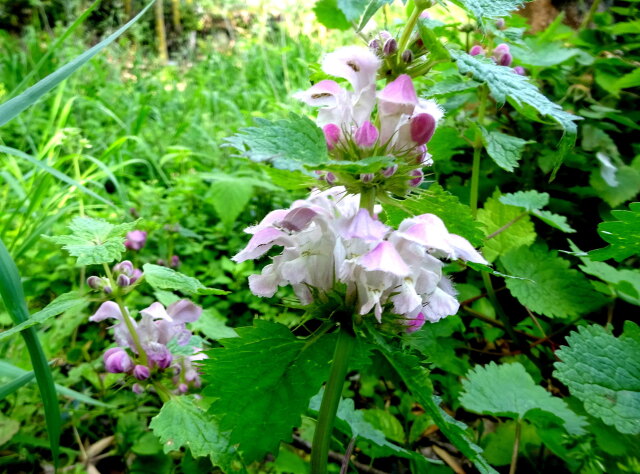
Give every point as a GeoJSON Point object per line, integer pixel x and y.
{"type": "Point", "coordinates": [136, 239]}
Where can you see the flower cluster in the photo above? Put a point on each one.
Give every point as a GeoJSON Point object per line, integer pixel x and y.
{"type": "Point", "coordinates": [124, 275]}
{"type": "Point", "coordinates": [328, 240]}
{"type": "Point", "coordinates": [501, 55]}
{"type": "Point", "coordinates": [403, 126]}
{"type": "Point", "coordinates": [158, 329]}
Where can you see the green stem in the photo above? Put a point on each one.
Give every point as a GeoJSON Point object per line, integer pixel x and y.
{"type": "Point", "coordinates": [516, 447]}
{"type": "Point", "coordinates": [477, 151]}
{"type": "Point", "coordinates": [162, 391]}
{"type": "Point", "coordinates": [125, 316]}
{"type": "Point", "coordinates": [330, 401]}
{"type": "Point", "coordinates": [368, 199]}
{"type": "Point", "coordinates": [408, 29]}
{"type": "Point", "coordinates": [589, 18]}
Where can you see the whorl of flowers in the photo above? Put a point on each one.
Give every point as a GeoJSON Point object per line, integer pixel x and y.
{"type": "Point", "coordinates": [328, 240]}
{"type": "Point", "coordinates": [401, 129]}
{"type": "Point", "coordinates": [156, 329]}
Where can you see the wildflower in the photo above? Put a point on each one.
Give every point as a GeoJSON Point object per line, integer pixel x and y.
{"type": "Point", "coordinates": [136, 239]}
{"type": "Point", "coordinates": [329, 242]}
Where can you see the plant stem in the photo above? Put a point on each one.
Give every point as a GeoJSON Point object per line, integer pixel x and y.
{"type": "Point", "coordinates": [330, 401]}
{"type": "Point", "coordinates": [592, 11]}
{"type": "Point", "coordinates": [516, 447]}
{"type": "Point", "coordinates": [408, 29]}
{"type": "Point", "coordinates": [477, 151]}
{"type": "Point", "coordinates": [368, 199]}
{"type": "Point", "coordinates": [125, 316]}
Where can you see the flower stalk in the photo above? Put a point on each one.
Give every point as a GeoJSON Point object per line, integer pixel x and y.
{"type": "Point", "coordinates": [330, 401]}
{"type": "Point", "coordinates": [477, 151]}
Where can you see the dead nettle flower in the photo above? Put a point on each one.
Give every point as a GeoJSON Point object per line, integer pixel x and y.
{"type": "Point", "coordinates": [401, 130]}
{"type": "Point", "coordinates": [329, 243]}
{"type": "Point", "coordinates": [136, 239]}
{"type": "Point", "coordinates": [500, 55]}
{"type": "Point", "coordinates": [157, 327]}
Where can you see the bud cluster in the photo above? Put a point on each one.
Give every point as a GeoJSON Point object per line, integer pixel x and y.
{"type": "Point", "coordinates": [124, 275]}
{"type": "Point", "coordinates": [500, 55]}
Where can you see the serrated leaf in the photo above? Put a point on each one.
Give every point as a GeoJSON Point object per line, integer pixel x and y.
{"type": "Point", "coordinates": [182, 422]}
{"type": "Point", "coordinates": [61, 304]}
{"type": "Point", "coordinates": [528, 200]}
{"type": "Point", "coordinates": [262, 382]}
{"type": "Point", "coordinates": [504, 150]}
{"type": "Point", "coordinates": [505, 84]}
{"type": "Point", "coordinates": [435, 200]}
{"type": "Point", "coordinates": [552, 288]}
{"type": "Point", "coordinates": [371, 164]}
{"type": "Point", "coordinates": [603, 371]}
{"type": "Point", "coordinates": [496, 216]}
{"type": "Point", "coordinates": [164, 278]}
{"type": "Point", "coordinates": [417, 380]}
{"type": "Point", "coordinates": [294, 143]}
{"type": "Point", "coordinates": [94, 241]}
{"type": "Point", "coordinates": [508, 390]}
{"type": "Point", "coordinates": [554, 220]}
{"type": "Point", "coordinates": [623, 235]}
{"type": "Point", "coordinates": [489, 9]}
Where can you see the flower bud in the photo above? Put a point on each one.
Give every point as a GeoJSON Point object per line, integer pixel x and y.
{"type": "Point", "coordinates": [331, 178]}
{"type": "Point", "coordinates": [501, 49]}
{"type": "Point", "coordinates": [125, 267]}
{"type": "Point", "coordinates": [161, 262]}
{"type": "Point", "coordinates": [390, 47]}
{"type": "Point", "coordinates": [407, 56]}
{"type": "Point", "coordinates": [136, 239]}
{"type": "Point", "coordinates": [366, 177]}
{"type": "Point", "coordinates": [95, 283]}
{"type": "Point", "coordinates": [476, 50]}
{"type": "Point", "coordinates": [107, 289]}
{"type": "Point", "coordinates": [385, 35]}
{"type": "Point", "coordinates": [423, 127]}
{"type": "Point", "coordinates": [183, 388]}
{"type": "Point", "coordinates": [519, 70]}
{"type": "Point", "coordinates": [136, 275]}
{"type": "Point", "coordinates": [500, 23]}
{"type": "Point", "coordinates": [414, 324]}
{"type": "Point", "coordinates": [419, 178]}
{"type": "Point", "coordinates": [141, 372]}
{"type": "Point", "coordinates": [506, 60]}
{"type": "Point", "coordinates": [390, 171]}
{"type": "Point", "coordinates": [331, 134]}
{"type": "Point", "coordinates": [137, 389]}
{"type": "Point", "coordinates": [374, 45]}
{"type": "Point", "coordinates": [117, 361]}
{"type": "Point", "coordinates": [366, 135]}
{"type": "Point", "coordinates": [175, 261]}
{"type": "Point", "coordinates": [123, 281]}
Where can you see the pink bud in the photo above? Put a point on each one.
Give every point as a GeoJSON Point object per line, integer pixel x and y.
{"type": "Point", "coordinates": [390, 47]}
{"type": "Point", "coordinates": [519, 70]}
{"type": "Point", "coordinates": [385, 35]}
{"type": "Point", "coordinates": [500, 24]}
{"type": "Point", "coordinates": [95, 283]}
{"type": "Point", "coordinates": [331, 134]}
{"type": "Point", "coordinates": [175, 261]}
{"type": "Point", "coordinates": [476, 50]}
{"type": "Point", "coordinates": [141, 372]}
{"type": "Point", "coordinates": [136, 239]}
{"type": "Point", "coordinates": [366, 177]}
{"type": "Point", "coordinates": [123, 281]}
{"type": "Point", "coordinates": [501, 49]}
{"type": "Point", "coordinates": [506, 60]}
{"type": "Point", "coordinates": [388, 172]}
{"type": "Point", "coordinates": [183, 388]}
{"type": "Point", "coordinates": [125, 267]}
{"type": "Point", "coordinates": [407, 56]}
{"type": "Point", "coordinates": [107, 289]}
{"type": "Point", "coordinates": [137, 389]}
{"type": "Point", "coordinates": [366, 135]}
{"type": "Point", "coordinates": [415, 323]}
{"type": "Point", "coordinates": [116, 361]}
{"type": "Point", "coordinates": [136, 275]}
{"type": "Point", "coordinates": [419, 177]}
{"type": "Point", "coordinates": [374, 45]}
{"type": "Point", "coordinates": [331, 178]}
{"type": "Point", "coordinates": [422, 128]}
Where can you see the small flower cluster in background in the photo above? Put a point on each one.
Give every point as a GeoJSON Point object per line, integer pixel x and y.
{"type": "Point", "coordinates": [328, 240]}
{"type": "Point", "coordinates": [501, 55]}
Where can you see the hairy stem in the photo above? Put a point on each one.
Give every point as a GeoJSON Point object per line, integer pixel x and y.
{"type": "Point", "coordinates": [368, 199]}
{"type": "Point", "coordinates": [477, 151]}
{"type": "Point", "coordinates": [516, 447]}
{"type": "Point", "coordinates": [125, 316]}
{"type": "Point", "coordinates": [406, 33]}
{"type": "Point", "coordinates": [330, 401]}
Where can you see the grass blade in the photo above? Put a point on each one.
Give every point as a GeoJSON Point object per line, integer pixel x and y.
{"type": "Point", "coordinates": [15, 384]}
{"type": "Point", "coordinates": [13, 297]}
{"type": "Point", "coordinates": [13, 107]}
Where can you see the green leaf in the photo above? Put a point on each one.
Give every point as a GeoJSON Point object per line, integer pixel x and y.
{"type": "Point", "coordinates": [533, 201]}
{"type": "Point", "coordinates": [508, 390]}
{"type": "Point", "coordinates": [15, 384]}
{"type": "Point", "coordinates": [58, 306]}
{"type": "Point", "coordinates": [528, 200]}
{"type": "Point", "coordinates": [603, 371]}
{"type": "Point", "coordinates": [261, 383]}
{"type": "Point", "coordinates": [435, 200]}
{"type": "Point", "coordinates": [13, 297]}
{"type": "Point", "coordinates": [164, 278]}
{"type": "Point", "coordinates": [622, 235]}
{"type": "Point", "coordinates": [554, 289]}
{"type": "Point", "coordinates": [416, 378]}
{"type": "Point", "coordinates": [505, 150]}
{"type": "Point", "coordinates": [8, 428]}
{"type": "Point", "coordinates": [372, 8]}
{"type": "Point", "coordinates": [229, 197]}
{"type": "Point", "coordinates": [515, 228]}
{"type": "Point", "coordinates": [94, 241]}
{"type": "Point", "coordinates": [352, 9]}
{"type": "Point", "coordinates": [212, 325]}
{"type": "Point", "coordinates": [431, 41]}
{"type": "Point", "coordinates": [627, 184]}
{"type": "Point", "coordinates": [505, 84]}
{"type": "Point", "coordinates": [182, 422]}
{"type": "Point", "coordinates": [366, 165]}
{"type": "Point", "coordinates": [13, 107]}
{"type": "Point", "coordinates": [489, 9]}
{"type": "Point", "coordinates": [543, 53]}
{"type": "Point", "coordinates": [329, 15]}
{"type": "Point", "coordinates": [294, 143]}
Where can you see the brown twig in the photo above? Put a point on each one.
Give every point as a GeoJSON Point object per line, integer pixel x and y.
{"type": "Point", "coordinates": [506, 226]}
{"type": "Point", "coordinates": [495, 322]}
